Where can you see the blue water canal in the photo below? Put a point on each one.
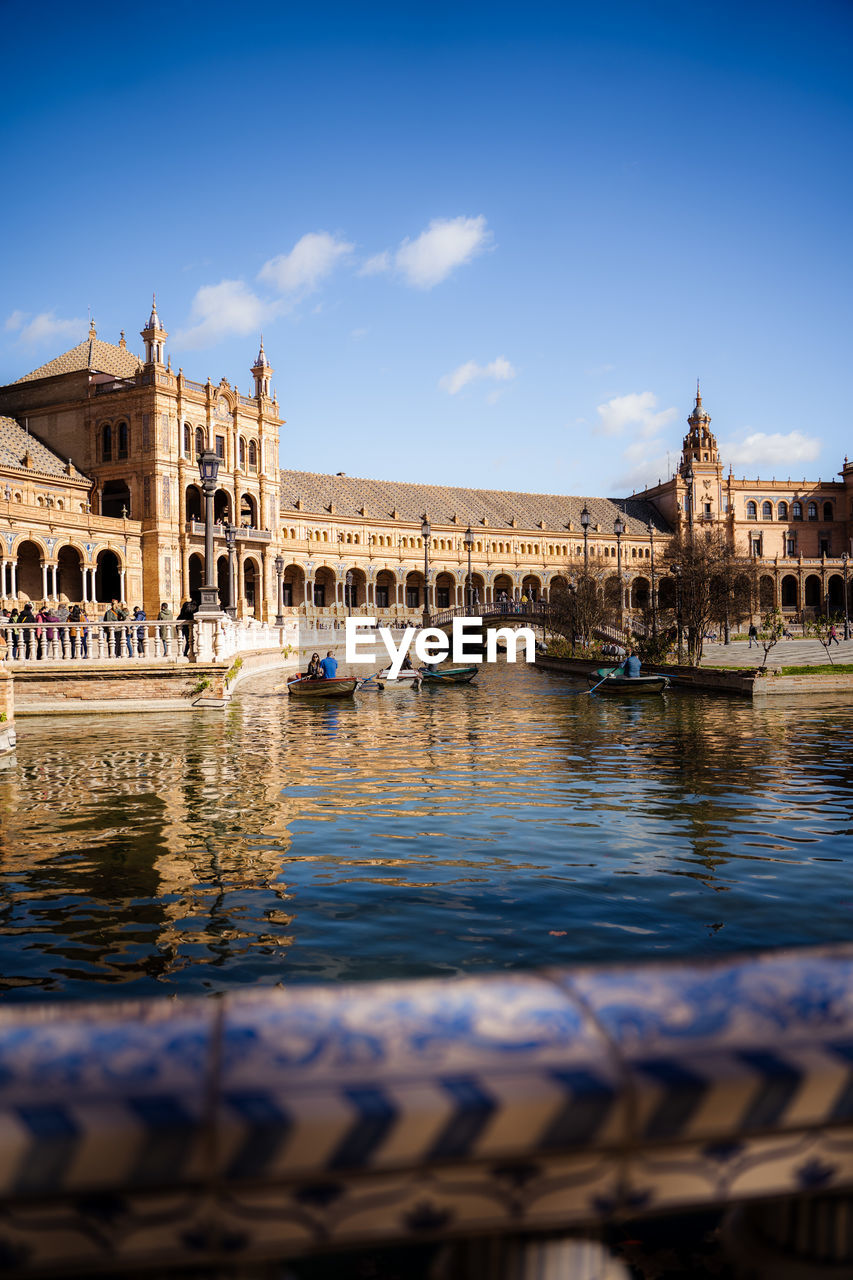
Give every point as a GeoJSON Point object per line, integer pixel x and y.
{"type": "Point", "coordinates": [494, 826]}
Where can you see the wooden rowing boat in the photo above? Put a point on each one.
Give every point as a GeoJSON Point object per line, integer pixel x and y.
{"type": "Point", "coordinates": [407, 678]}
{"type": "Point", "coordinates": [608, 681]}
{"type": "Point", "coordinates": [448, 675]}
{"type": "Point", "coordinates": [340, 687]}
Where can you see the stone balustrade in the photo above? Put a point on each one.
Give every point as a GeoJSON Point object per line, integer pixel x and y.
{"type": "Point", "coordinates": [277, 1122]}
{"type": "Point", "coordinates": [71, 644]}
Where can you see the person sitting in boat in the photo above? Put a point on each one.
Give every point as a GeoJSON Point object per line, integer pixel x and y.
{"type": "Point", "coordinates": [632, 665]}
{"type": "Point", "coordinates": [406, 664]}
{"type": "Point", "coordinates": [314, 671]}
{"type": "Point", "coordinates": [329, 666]}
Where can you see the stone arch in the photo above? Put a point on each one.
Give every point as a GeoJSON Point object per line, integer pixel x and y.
{"type": "Point", "coordinates": [813, 593]}
{"type": "Point", "coordinates": [253, 455]}
{"type": "Point", "coordinates": [29, 558]}
{"type": "Point", "coordinates": [70, 572]}
{"type": "Point", "coordinates": [790, 592]}
{"type": "Point", "coordinates": [107, 576]}
{"type": "Point", "coordinates": [531, 586]}
{"type": "Point", "coordinates": [195, 575]}
{"type": "Point", "coordinates": [241, 453]}
{"type": "Point", "coordinates": [666, 593]}
{"type": "Point", "coordinates": [252, 585]}
{"type": "Point", "coordinates": [194, 503]}
{"type": "Point", "coordinates": [835, 593]}
{"type": "Point", "coordinates": [414, 589]}
{"type": "Point", "coordinates": [641, 590]}
{"type": "Point", "coordinates": [356, 593]}
{"type": "Point", "coordinates": [386, 589]}
{"type": "Point", "coordinates": [766, 593]}
{"type": "Point", "coordinates": [502, 582]}
{"type": "Point", "coordinates": [221, 506]}
{"type": "Point", "coordinates": [222, 580]}
{"type": "Point", "coordinates": [828, 511]}
{"type": "Point", "coordinates": [445, 590]}
{"type": "Point", "coordinates": [248, 510]}
{"type": "Point", "coordinates": [199, 442]}
{"type": "Point", "coordinates": [324, 587]}
{"type": "Point", "coordinates": [293, 586]}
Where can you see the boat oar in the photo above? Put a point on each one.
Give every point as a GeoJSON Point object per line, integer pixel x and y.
{"type": "Point", "coordinates": [366, 680]}
{"type": "Point", "coordinates": [575, 693]}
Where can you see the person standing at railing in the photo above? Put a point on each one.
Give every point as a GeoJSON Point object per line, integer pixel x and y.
{"type": "Point", "coordinates": [123, 615]}
{"type": "Point", "coordinates": [186, 615]}
{"type": "Point", "coordinates": [76, 615]}
{"type": "Point", "coordinates": [139, 616]}
{"type": "Point", "coordinates": [113, 637]}
{"type": "Point", "coordinates": [165, 615]}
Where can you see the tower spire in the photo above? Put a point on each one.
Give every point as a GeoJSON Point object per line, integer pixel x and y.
{"type": "Point", "coordinates": [154, 336]}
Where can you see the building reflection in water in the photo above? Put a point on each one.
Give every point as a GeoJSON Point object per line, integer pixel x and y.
{"type": "Point", "coordinates": [500, 825]}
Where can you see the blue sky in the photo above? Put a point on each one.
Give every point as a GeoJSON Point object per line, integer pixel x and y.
{"type": "Point", "coordinates": [488, 245]}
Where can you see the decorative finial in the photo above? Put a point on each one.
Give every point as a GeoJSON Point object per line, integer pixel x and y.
{"type": "Point", "coordinates": [122, 342]}
{"type": "Point", "coordinates": [698, 395]}
{"type": "Point", "coordinates": [93, 333]}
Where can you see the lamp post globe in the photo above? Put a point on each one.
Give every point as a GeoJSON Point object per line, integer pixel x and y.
{"type": "Point", "coordinates": [426, 532]}
{"type": "Point", "coordinates": [279, 570]}
{"type": "Point", "coordinates": [208, 470]}
{"type": "Point", "coordinates": [619, 529]}
{"type": "Point", "coordinates": [468, 543]}
{"type": "Point", "coordinates": [231, 544]}
{"type": "Point", "coordinates": [585, 519]}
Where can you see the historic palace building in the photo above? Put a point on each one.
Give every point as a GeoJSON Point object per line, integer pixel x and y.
{"type": "Point", "coordinates": [100, 499]}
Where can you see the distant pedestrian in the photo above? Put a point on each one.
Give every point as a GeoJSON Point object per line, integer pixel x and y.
{"type": "Point", "coordinates": [78, 634]}
{"type": "Point", "coordinates": [139, 616]}
{"type": "Point", "coordinates": [752, 634]}
{"type": "Point", "coordinates": [165, 615]}
{"type": "Point", "coordinates": [833, 635]}
{"type": "Point", "coordinates": [186, 616]}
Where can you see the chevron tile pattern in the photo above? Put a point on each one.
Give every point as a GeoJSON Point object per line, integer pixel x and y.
{"type": "Point", "coordinates": [283, 1121]}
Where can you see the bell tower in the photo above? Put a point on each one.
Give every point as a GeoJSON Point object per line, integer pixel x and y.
{"type": "Point", "coordinates": [154, 336]}
{"type": "Point", "coordinates": [699, 446]}
{"type": "Point", "coordinates": [262, 372]}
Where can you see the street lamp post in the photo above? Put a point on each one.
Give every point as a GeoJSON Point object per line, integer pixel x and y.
{"type": "Point", "coordinates": [468, 543]}
{"type": "Point", "coordinates": [676, 569]}
{"type": "Point", "coordinates": [844, 559]}
{"type": "Point", "coordinates": [279, 604]}
{"type": "Point", "coordinates": [208, 469]}
{"type": "Point", "coordinates": [619, 529]}
{"type": "Point", "coordinates": [348, 581]}
{"type": "Point", "coordinates": [573, 613]}
{"type": "Point", "coordinates": [688, 480]}
{"type": "Point", "coordinates": [585, 526]}
{"type": "Point", "coordinates": [426, 533]}
{"type": "Point", "coordinates": [231, 544]}
{"type": "Point", "coordinates": [654, 591]}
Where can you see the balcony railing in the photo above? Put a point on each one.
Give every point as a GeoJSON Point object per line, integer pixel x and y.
{"type": "Point", "coordinates": [244, 533]}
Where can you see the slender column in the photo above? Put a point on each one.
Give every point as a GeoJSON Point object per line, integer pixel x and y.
{"type": "Point", "coordinates": [122, 582]}
{"type": "Point", "coordinates": [14, 578]}
{"type": "Point", "coordinates": [2, 579]}
{"type": "Point", "coordinates": [54, 568]}
{"type": "Point", "coordinates": [44, 594]}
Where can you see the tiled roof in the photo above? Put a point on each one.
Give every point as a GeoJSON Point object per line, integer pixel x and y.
{"type": "Point", "coordinates": [15, 442]}
{"type": "Point", "coordinates": [93, 354]}
{"type": "Point", "coordinates": [470, 506]}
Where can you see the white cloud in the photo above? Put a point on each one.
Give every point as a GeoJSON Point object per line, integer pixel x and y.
{"type": "Point", "coordinates": [771, 450]}
{"type": "Point", "coordinates": [45, 327]}
{"type": "Point", "coordinates": [446, 244]}
{"type": "Point", "coordinates": [311, 259]}
{"type": "Point", "coordinates": [376, 265]}
{"type": "Point", "coordinates": [499, 370]}
{"type": "Point", "coordinates": [637, 411]}
{"type": "Point", "coordinates": [224, 308]}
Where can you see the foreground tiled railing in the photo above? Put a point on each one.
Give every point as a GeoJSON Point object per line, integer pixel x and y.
{"type": "Point", "coordinates": [278, 1122]}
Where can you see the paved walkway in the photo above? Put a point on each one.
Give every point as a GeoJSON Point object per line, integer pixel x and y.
{"type": "Point", "coordinates": [787, 653]}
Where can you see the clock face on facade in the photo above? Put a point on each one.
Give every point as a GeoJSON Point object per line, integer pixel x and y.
{"type": "Point", "coordinates": [223, 409]}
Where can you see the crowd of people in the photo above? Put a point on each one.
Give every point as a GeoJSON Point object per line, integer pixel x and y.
{"type": "Point", "coordinates": [70, 629]}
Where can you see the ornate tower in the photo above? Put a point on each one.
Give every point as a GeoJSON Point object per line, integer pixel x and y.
{"type": "Point", "coordinates": [154, 336]}
{"type": "Point", "coordinates": [262, 372]}
{"type": "Point", "coordinates": [700, 446]}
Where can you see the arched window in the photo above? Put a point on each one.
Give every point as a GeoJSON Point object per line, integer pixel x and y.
{"type": "Point", "coordinates": [253, 455]}
{"type": "Point", "coordinates": [107, 443]}
{"type": "Point", "coordinates": [767, 511]}
{"type": "Point", "coordinates": [123, 441]}
{"type": "Point", "coordinates": [813, 511]}
{"type": "Point", "coordinates": [199, 442]}
{"type": "Point", "coordinates": [188, 441]}
{"type": "Point", "coordinates": [828, 513]}
{"type": "Point", "coordinates": [796, 511]}
{"type": "Point", "coordinates": [751, 511]}
{"type": "Point", "coordinates": [242, 454]}
{"type": "Point", "coordinates": [783, 511]}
